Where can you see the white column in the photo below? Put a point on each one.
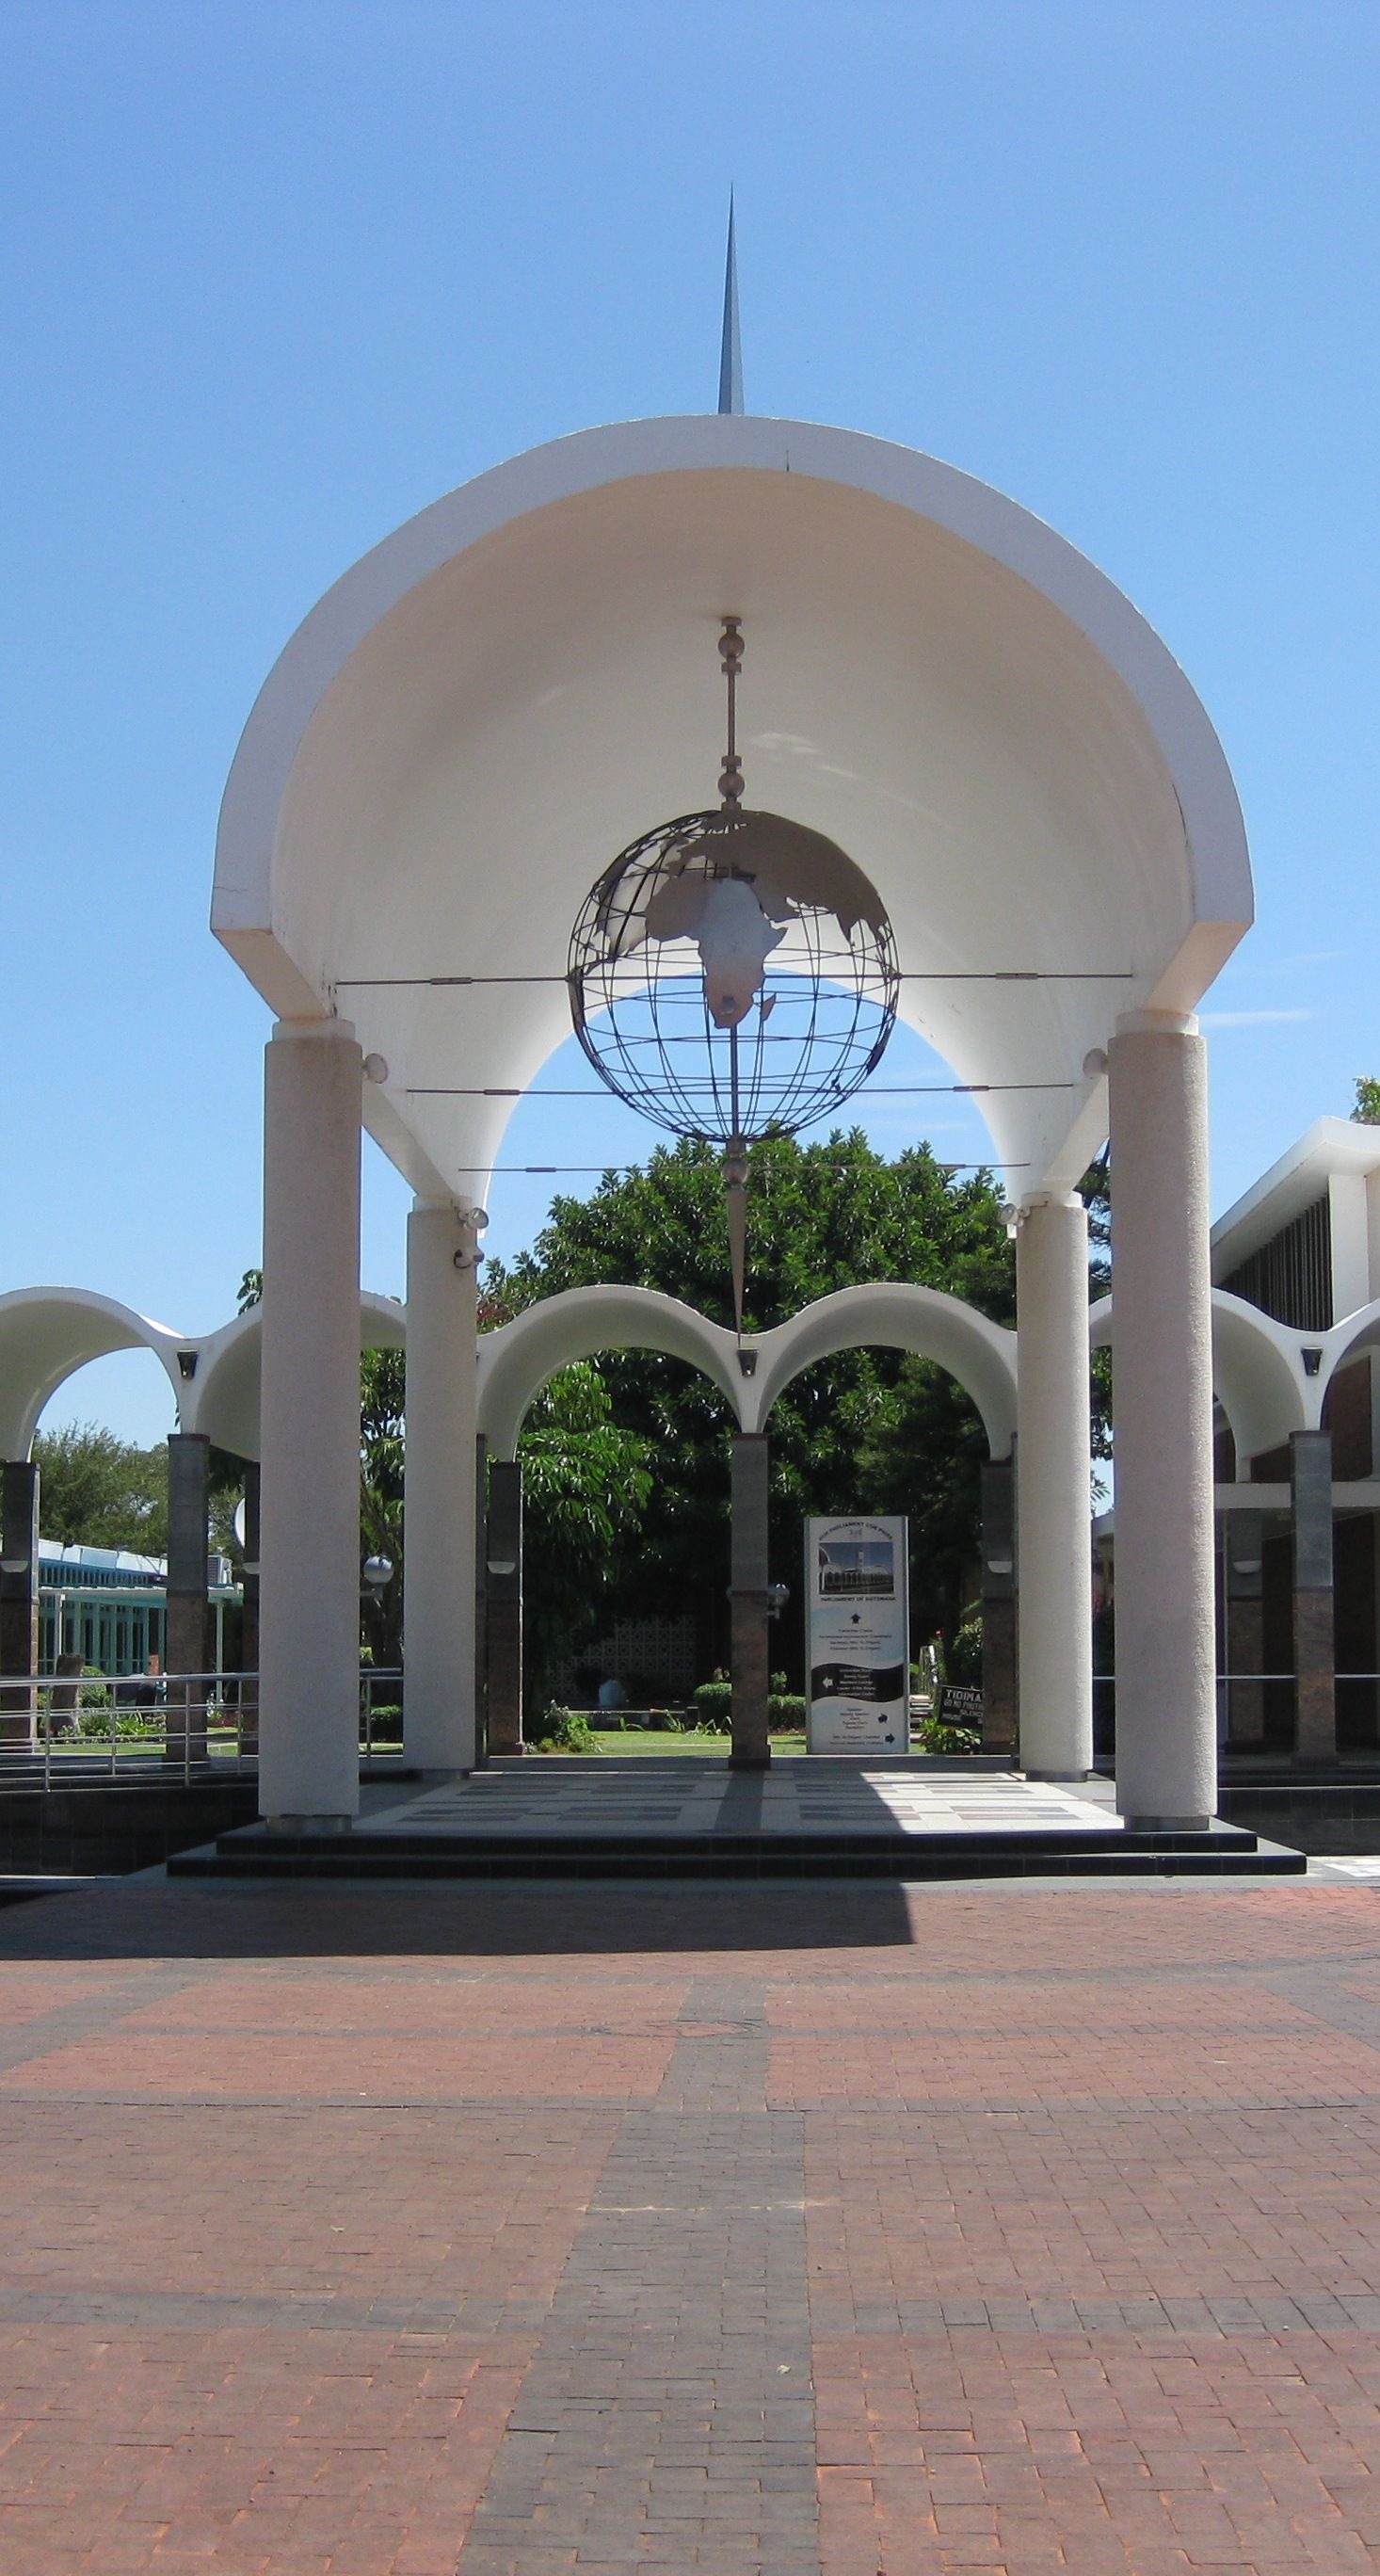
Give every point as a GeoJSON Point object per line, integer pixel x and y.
{"type": "Point", "coordinates": [439, 1488]}
{"type": "Point", "coordinates": [309, 1428]}
{"type": "Point", "coordinates": [1054, 1490]}
{"type": "Point", "coordinates": [1166, 1719]}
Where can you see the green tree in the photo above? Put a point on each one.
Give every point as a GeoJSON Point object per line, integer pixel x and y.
{"type": "Point", "coordinates": [585, 1484]}
{"type": "Point", "coordinates": [382, 1388]}
{"type": "Point", "coordinates": [99, 1491]}
{"type": "Point", "coordinates": [821, 1216]}
{"type": "Point", "coordinates": [1367, 1109]}
{"type": "Point", "coordinates": [1095, 1190]}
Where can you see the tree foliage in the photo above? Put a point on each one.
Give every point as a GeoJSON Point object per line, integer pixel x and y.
{"type": "Point", "coordinates": [96, 1490]}
{"type": "Point", "coordinates": [865, 1430]}
{"type": "Point", "coordinates": [625, 1457]}
{"type": "Point", "coordinates": [1367, 1108]}
{"type": "Point", "coordinates": [585, 1483]}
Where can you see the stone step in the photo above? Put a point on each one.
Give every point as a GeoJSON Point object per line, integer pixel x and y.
{"type": "Point", "coordinates": [1084, 1852]}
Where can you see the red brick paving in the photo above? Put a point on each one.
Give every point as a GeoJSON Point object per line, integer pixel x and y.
{"type": "Point", "coordinates": [361, 2232]}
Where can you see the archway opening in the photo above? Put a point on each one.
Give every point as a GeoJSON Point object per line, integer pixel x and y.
{"type": "Point", "coordinates": [101, 1450]}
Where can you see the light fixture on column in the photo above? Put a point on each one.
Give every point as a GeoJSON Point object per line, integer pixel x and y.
{"type": "Point", "coordinates": [15, 1564]}
{"type": "Point", "coordinates": [733, 974]}
{"type": "Point", "coordinates": [377, 1571]}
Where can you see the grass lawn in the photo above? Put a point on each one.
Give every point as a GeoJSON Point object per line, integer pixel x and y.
{"type": "Point", "coordinates": [646, 1740]}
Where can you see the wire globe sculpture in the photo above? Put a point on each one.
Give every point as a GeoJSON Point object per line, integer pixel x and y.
{"type": "Point", "coordinates": [733, 973]}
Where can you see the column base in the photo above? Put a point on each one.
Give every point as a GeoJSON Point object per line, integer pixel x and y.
{"type": "Point", "coordinates": [1057, 1775]}
{"type": "Point", "coordinates": [1166, 1824]}
{"type": "Point", "coordinates": [309, 1824]}
{"type": "Point", "coordinates": [750, 1761]}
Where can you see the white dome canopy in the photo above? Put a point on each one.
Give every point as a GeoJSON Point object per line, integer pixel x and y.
{"type": "Point", "coordinates": [507, 691]}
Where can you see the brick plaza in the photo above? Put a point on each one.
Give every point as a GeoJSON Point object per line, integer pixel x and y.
{"type": "Point", "coordinates": [380, 2231]}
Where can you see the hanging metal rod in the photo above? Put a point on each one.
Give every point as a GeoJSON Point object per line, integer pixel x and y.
{"type": "Point", "coordinates": [909, 975]}
{"type": "Point", "coordinates": [871, 1091]}
{"type": "Point", "coordinates": [525, 1171]}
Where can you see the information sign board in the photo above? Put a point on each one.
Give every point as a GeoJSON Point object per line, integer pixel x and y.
{"type": "Point", "coordinates": [857, 1637]}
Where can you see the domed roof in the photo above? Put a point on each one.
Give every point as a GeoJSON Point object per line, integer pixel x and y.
{"type": "Point", "coordinates": [520, 681]}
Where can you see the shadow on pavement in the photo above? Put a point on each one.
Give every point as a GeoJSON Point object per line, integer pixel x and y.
{"type": "Point", "coordinates": [149, 1918]}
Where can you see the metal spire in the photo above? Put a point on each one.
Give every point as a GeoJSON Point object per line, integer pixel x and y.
{"type": "Point", "coordinates": [731, 350]}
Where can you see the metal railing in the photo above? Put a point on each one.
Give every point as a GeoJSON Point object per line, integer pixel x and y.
{"type": "Point", "coordinates": [66, 1729]}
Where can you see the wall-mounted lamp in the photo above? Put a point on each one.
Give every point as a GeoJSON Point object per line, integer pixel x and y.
{"type": "Point", "coordinates": [747, 1362]}
{"type": "Point", "coordinates": [1000, 1565]}
{"type": "Point", "coordinates": [378, 1570]}
{"type": "Point", "coordinates": [15, 1564]}
{"type": "Point", "coordinates": [502, 1565]}
{"type": "Point", "coordinates": [1312, 1359]}
{"type": "Point", "coordinates": [186, 1363]}
{"type": "Point", "coordinates": [1245, 1564]}
{"type": "Point", "coordinates": [778, 1594]}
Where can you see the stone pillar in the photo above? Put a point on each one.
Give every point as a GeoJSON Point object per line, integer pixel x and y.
{"type": "Point", "coordinates": [19, 1598]}
{"type": "Point", "coordinates": [751, 1648]}
{"type": "Point", "coordinates": [1054, 1473]}
{"type": "Point", "coordinates": [439, 1499]}
{"type": "Point", "coordinates": [185, 1636]}
{"type": "Point", "coordinates": [1315, 1693]}
{"type": "Point", "coordinates": [309, 1442]}
{"type": "Point", "coordinates": [249, 1625]}
{"type": "Point", "coordinates": [998, 1605]}
{"type": "Point", "coordinates": [1243, 1588]}
{"type": "Point", "coordinates": [503, 1564]}
{"type": "Point", "coordinates": [1166, 1715]}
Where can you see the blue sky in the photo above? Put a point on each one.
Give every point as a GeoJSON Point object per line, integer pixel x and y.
{"type": "Point", "coordinates": [278, 275]}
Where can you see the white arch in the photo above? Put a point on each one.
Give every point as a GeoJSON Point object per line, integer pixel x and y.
{"type": "Point", "coordinates": [1356, 1332]}
{"type": "Point", "coordinates": [516, 1359]}
{"type": "Point", "coordinates": [223, 1399]}
{"type": "Point", "coordinates": [48, 1333]}
{"type": "Point", "coordinates": [1257, 1373]}
{"type": "Point", "coordinates": [517, 682]}
{"type": "Point", "coordinates": [899, 1316]}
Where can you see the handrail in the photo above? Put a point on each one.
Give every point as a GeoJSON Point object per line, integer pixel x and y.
{"type": "Point", "coordinates": [177, 1714]}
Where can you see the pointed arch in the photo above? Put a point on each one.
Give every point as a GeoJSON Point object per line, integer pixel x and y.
{"type": "Point", "coordinates": [47, 1334]}
{"type": "Point", "coordinates": [516, 1360]}
{"type": "Point", "coordinates": [899, 1316]}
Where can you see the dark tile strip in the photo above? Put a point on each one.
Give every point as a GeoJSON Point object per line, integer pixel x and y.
{"type": "Point", "coordinates": [91, 2016]}
{"type": "Point", "coordinates": [668, 2410]}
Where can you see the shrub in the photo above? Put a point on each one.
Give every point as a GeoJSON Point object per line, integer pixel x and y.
{"type": "Point", "coordinates": [936, 1736]}
{"type": "Point", "coordinates": [568, 1730]}
{"type": "Point", "coordinates": [130, 1725]}
{"type": "Point", "coordinates": [963, 1663]}
{"type": "Point", "coordinates": [714, 1706]}
{"type": "Point", "coordinates": [785, 1713]}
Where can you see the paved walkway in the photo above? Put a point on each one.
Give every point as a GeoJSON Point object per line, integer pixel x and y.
{"type": "Point", "coordinates": [385, 2231]}
{"type": "Point", "coordinates": [684, 1795]}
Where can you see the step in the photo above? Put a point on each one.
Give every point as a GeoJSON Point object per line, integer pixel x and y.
{"type": "Point", "coordinates": [1088, 1852]}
